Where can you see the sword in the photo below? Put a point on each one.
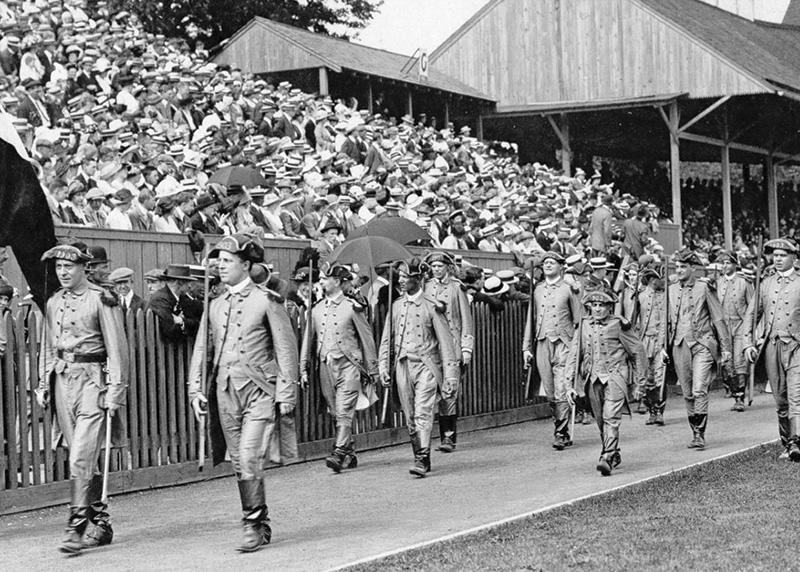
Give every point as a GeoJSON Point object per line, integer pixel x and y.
{"type": "Point", "coordinates": [107, 459]}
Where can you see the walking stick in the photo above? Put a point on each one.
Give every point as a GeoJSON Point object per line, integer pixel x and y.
{"type": "Point", "coordinates": [387, 391]}
{"type": "Point", "coordinates": [201, 454]}
{"type": "Point", "coordinates": [531, 318]}
{"type": "Point", "coordinates": [107, 459]}
{"type": "Point", "coordinates": [667, 342]}
{"type": "Point", "coordinates": [751, 382]}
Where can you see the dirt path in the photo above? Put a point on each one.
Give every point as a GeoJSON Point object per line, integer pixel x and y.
{"type": "Point", "coordinates": [321, 520]}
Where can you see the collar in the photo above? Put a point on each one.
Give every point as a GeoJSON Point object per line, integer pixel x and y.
{"type": "Point", "coordinates": [240, 287]}
{"type": "Point", "coordinates": [415, 297]}
{"type": "Point", "coordinates": [786, 274]}
{"type": "Point", "coordinates": [129, 298]}
{"type": "Point", "coordinates": [731, 277]}
{"type": "Point", "coordinates": [335, 299]}
{"type": "Point", "coordinates": [689, 283]}
{"type": "Point", "coordinates": [552, 282]}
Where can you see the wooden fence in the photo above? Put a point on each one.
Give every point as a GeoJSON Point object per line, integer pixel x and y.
{"type": "Point", "coordinates": [162, 444]}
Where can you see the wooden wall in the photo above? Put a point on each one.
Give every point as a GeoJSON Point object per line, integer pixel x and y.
{"type": "Point", "coordinates": [523, 52]}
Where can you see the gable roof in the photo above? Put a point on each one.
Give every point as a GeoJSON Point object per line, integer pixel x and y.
{"type": "Point", "coordinates": [792, 16]}
{"type": "Point", "coordinates": [338, 54]}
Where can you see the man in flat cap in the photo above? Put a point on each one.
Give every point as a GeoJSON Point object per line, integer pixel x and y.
{"type": "Point", "coordinates": [418, 348]}
{"type": "Point", "coordinates": [734, 293]}
{"type": "Point", "coordinates": [449, 291]}
{"type": "Point", "coordinates": [122, 278]}
{"type": "Point", "coordinates": [341, 339]}
{"type": "Point", "coordinates": [253, 377]}
{"type": "Point", "coordinates": [776, 336]}
{"type": "Point", "coordinates": [555, 312]}
{"type": "Point", "coordinates": [650, 327]}
{"type": "Point", "coordinates": [700, 340]}
{"type": "Point", "coordinates": [85, 360]}
{"type": "Point", "coordinates": [600, 353]}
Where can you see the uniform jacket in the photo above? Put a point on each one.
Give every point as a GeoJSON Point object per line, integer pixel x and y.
{"type": "Point", "coordinates": [651, 314]}
{"type": "Point", "coordinates": [600, 228]}
{"type": "Point", "coordinates": [734, 294]}
{"type": "Point", "coordinates": [86, 321]}
{"type": "Point", "coordinates": [700, 314]}
{"type": "Point", "coordinates": [345, 322]}
{"type": "Point", "coordinates": [418, 324]}
{"type": "Point", "coordinates": [457, 310]}
{"type": "Point", "coordinates": [253, 324]}
{"type": "Point", "coordinates": [558, 303]}
{"type": "Point", "coordinates": [605, 350]}
{"type": "Point", "coordinates": [778, 310]}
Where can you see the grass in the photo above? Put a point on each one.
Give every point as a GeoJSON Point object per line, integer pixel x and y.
{"type": "Point", "coordinates": [739, 513]}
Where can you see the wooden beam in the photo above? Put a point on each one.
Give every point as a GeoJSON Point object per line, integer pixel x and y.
{"type": "Point", "coordinates": [562, 132]}
{"type": "Point", "coordinates": [370, 101]}
{"type": "Point", "coordinates": [772, 196]}
{"type": "Point", "coordinates": [479, 129]}
{"type": "Point", "coordinates": [446, 112]}
{"type": "Point", "coordinates": [705, 112]}
{"type": "Point", "coordinates": [727, 213]}
{"type": "Point", "coordinates": [409, 103]}
{"type": "Point", "coordinates": [675, 167]}
{"type": "Point", "coordinates": [323, 81]}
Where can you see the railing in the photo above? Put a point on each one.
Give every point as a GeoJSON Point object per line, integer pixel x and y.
{"type": "Point", "coordinates": [162, 439]}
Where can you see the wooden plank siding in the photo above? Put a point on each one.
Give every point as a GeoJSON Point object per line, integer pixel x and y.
{"type": "Point", "coordinates": [523, 52]}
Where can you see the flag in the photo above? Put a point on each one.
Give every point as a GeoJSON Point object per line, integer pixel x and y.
{"type": "Point", "coordinates": [25, 222]}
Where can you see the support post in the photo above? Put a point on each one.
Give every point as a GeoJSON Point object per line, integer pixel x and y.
{"type": "Point", "coordinates": [370, 100]}
{"type": "Point", "coordinates": [675, 167]}
{"type": "Point", "coordinates": [409, 103]}
{"type": "Point", "coordinates": [323, 81]}
{"type": "Point", "coordinates": [479, 129]}
{"type": "Point", "coordinates": [446, 111]}
{"type": "Point", "coordinates": [772, 196]}
{"type": "Point", "coordinates": [727, 213]}
{"type": "Point", "coordinates": [566, 147]}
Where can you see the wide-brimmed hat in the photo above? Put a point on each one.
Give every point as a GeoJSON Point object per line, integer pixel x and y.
{"type": "Point", "coordinates": [177, 272]}
{"type": "Point", "coordinates": [786, 244]}
{"type": "Point", "coordinates": [241, 245]}
{"type": "Point", "coordinates": [494, 286]}
{"type": "Point", "coordinates": [600, 295]}
{"type": "Point", "coordinates": [67, 252]}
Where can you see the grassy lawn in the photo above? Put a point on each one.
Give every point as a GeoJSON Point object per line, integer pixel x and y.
{"type": "Point", "coordinates": [740, 513]}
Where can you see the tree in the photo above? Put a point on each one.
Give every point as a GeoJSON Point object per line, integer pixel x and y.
{"type": "Point", "coordinates": [212, 21]}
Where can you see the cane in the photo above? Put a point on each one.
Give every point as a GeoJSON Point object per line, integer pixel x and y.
{"type": "Point", "coordinates": [574, 404]}
{"type": "Point", "coordinates": [107, 459]}
{"type": "Point", "coordinates": [201, 448]}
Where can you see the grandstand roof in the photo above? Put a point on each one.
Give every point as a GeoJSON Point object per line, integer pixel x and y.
{"type": "Point", "coordinates": [264, 46]}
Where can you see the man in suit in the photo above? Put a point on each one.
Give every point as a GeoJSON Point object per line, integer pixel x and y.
{"type": "Point", "coordinates": [700, 340]}
{"type": "Point", "coordinates": [253, 378]}
{"type": "Point", "coordinates": [354, 146]}
{"type": "Point", "coordinates": [203, 218]}
{"type": "Point", "coordinates": [341, 340]}
{"type": "Point", "coordinates": [166, 304]}
{"type": "Point", "coordinates": [310, 223]}
{"type": "Point", "coordinates": [122, 278]}
{"type": "Point", "coordinates": [600, 226]}
{"type": "Point", "coordinates": [33, 107]}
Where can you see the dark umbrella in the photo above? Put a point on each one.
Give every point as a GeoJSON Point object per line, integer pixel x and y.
{"type": "Point", "coordinates": [238, 176]}
{"type": "Point", "coordinates": [369, 251]}
{"type": "Point", "coordinates": [398, 229]}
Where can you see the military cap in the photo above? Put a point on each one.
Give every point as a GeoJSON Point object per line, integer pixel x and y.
{"type": "Point", "coordinates": [785, 244]}
{"type": "Point", "coordinates": [727, 256]}
{"type": "Point", "coordinates": [599, 295]}
{"type": "Point", "coordinates": [340, 272]}
{"type": "Point", "coordinates": [67, 252]}
{"type": "Point", "coordinates": [552, 255]}
{"type": "Point", "coordinates": [443, 257]}
{"type": "Point", "coordinates": [413, 267]}
{"type": "Point", "coordinates": [6, 290]}
{"type": "Point", "coordinates": [688, 257]}
{"type": "Point", "coordinates": [241, 245]}
{"type": "Point", "coordinates": [120, 274]}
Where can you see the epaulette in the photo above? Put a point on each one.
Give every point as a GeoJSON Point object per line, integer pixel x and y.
{"type": "Point", "coordinates": [107, 297]}
{"type": "Point", "coordinates": [440, 306]}
{"type": "Point", "coordinates": [271, 294]}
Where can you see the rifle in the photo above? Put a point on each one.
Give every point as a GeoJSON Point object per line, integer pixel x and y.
{"type": "Point", "coordinates": [575, 380]}
{"type": "Point", "coordinates": [201, 457]}
{"type": "Point", "coordinates": [667, 341]}
{"type": "Point", "coordinates": [751, 382]}
{"type": "Point", "coordinates": [529, 369]}
{"type": "Point", "coordinates": [387, 391]}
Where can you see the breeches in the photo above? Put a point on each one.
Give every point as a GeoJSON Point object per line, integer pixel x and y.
{"type": "Point", "coordinates": [247, 417]}
{"type": "Point", "coordinates": [608, 403]}
{"type": "Point", "coordinates": [551, 360]}
{"type": "Point", "coordinates": [416, 388]}
{"type": "Point", "coordinates": [341, 382]}
{"type": "Point", "coordinates": [80, 417]}
{"type": "Point", "coordinates": [448, 395]}
{"type": "Point", "coordinates": [782, 360]}
{"type": "Point", "coordinates": [694, 366]}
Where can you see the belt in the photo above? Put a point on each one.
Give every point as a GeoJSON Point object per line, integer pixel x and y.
{"type": "Point", "coordinates": [72, 357]}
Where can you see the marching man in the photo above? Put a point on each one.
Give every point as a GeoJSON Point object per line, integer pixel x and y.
{"type": "Point", "coordinates": [651, 331]}
{"type": "Point", "coordinates": [555, 312]}
{"type": "Point", "coordinates": [700, 339]}
{"type": "Point", "coordinates": [734, 293]}
{"type": "Point", "coordinates": [602, 350]}
{"type": "Point", "coordinates": [343, 344]}
{"type": "Point", "coordinates": [777, 334]}
{"type": "Point", "coordinates": [419, 351]}
{"type": "Point", "coordinates": [253, 377]}
{"type": "Point", "coordinates": [444, 288]}
{"type": "Point", "coordinates": [82, 334]}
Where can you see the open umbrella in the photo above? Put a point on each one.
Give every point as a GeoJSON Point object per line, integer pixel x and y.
{"type": "Point", "coordinates": [399, 229]}
{"type": "Point", "coordinates": [369, 251]}
{"type": "Point", "coordinates": [238, 175]}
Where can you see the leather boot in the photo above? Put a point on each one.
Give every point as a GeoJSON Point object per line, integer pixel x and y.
{"type": "Point", "coordinates": [422, 463]}
{"type": "Point", "coordinates": [447, 425]}
{"type": "Point", "coordinates": [652, 419]}
{"type": "Point", "coordinates": [604, 466]}
{"type": "Point", "coordinates": [659, 420]}
{"type": "Point", "coordinates": [335, 461]}
{"type": "Point", "coordinates": [257, 533]}
{"type": "Point", "coordinates": [350, 460]}
{"type": "Point", "coordinates": [78, 516]}
{"type": "Point", "coordinates": [99, 531]}
{"type": "Point", "coordinates": [738, 404]}
{"type": "Point", "coordinates": [641, 409]}
{"type": "Point", "coordinates": [699, 429]}
{"type": "Point", "coordinates": [794, 449]}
